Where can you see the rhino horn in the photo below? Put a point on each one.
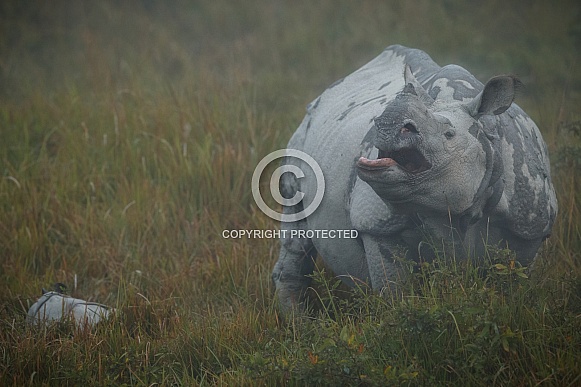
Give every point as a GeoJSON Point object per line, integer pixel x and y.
{"type": "Point", "coordinates": [412, 86]}
{"type": "Point", "coordinates": [497, 96]}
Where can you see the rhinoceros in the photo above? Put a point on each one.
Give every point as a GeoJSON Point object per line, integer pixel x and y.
{"type": "Point", "coordinates": [414, 156]}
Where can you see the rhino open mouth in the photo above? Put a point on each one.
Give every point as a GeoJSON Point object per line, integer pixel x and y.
{"type": "Point", "coordinates": [409, 159]}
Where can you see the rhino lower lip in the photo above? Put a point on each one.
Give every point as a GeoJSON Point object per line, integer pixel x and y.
{"type": "Point", "coordinates": [370, 165]}
{"type": "Point", "coordinates": [410, 160]}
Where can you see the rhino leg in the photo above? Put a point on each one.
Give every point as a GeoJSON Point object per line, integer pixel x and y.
{"type": "Point", "coordinates": [385, 272]}
{"type": "Point", "coordinates": [295, 262]}
{"type": "Point", "coordinates": [297, 254]}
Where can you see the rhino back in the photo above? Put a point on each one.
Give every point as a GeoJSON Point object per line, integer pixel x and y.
{"type": "Point", "coordinates": [335, 126]}
{"type": "Point", "coordinates": [332, 133]}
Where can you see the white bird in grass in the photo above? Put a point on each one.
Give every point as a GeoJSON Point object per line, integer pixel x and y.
{"type": "Point", "coordinates": [56, 306]}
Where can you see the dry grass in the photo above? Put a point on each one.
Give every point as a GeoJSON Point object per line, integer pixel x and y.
{"type": "Point", "coordinates": [129, 136]}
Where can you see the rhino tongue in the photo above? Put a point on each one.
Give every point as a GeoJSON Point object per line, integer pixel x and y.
{"type": "Point", "coordinates": [373, 164]}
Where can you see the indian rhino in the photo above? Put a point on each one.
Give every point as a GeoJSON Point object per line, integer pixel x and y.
{"type": "Point", "coordinates": [413, 152]}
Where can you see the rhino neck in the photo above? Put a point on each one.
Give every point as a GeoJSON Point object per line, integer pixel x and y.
{"type": "Point", "coordinates": [491, 187]}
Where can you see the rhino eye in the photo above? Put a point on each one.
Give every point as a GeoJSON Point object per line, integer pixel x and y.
{"type": "Point", "coordinates": [449, 134]}
{"type": "Point", "coordinates": [411, 127]}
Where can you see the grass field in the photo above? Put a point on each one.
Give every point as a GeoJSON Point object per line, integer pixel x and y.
{"type": "Point", "coordinates": [129, 134]}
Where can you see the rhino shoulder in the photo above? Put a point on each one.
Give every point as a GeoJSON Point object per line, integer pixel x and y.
{"type": "Point", "coordinates": [528, 205]}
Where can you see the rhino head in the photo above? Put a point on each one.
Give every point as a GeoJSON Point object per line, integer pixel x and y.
{"type": "Point", "coordinates": [438, 156]}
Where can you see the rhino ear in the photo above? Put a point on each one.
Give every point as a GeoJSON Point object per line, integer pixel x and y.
{"type": "Point", "coordinates": [497, 96]}
{"type": "Point", "coordinates": [412, 86]}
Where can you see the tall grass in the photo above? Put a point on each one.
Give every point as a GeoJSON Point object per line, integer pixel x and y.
{"type": "Point", "coordinates": [129, 136]}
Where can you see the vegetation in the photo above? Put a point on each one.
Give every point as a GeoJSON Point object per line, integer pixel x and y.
{"type": "Point", "coordinates": [129, 136]}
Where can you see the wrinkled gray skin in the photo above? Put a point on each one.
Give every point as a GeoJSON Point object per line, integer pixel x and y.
{"type": "Point", "coordinates": [412, 153]}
